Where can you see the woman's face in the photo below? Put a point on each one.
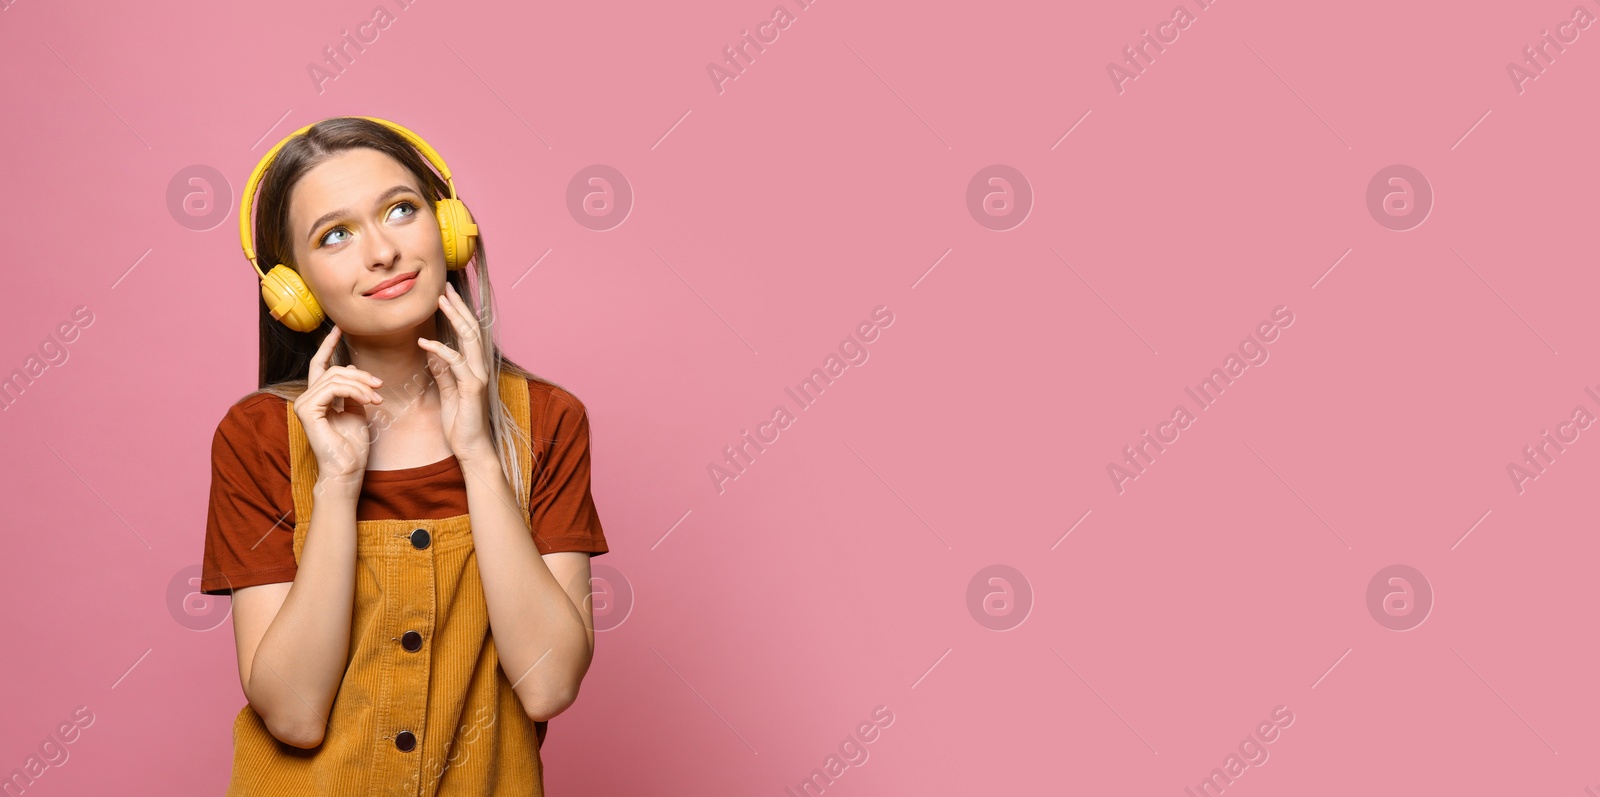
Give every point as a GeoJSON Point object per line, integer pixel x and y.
{"type": "Point", "coordinates": [358, 220]}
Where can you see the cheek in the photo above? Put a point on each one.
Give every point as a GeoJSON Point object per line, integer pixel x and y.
{"type": "Point", "coordinates": [420, 239]}
{"type": "Point", "coordinates": [327, 278]}
{"type": "Point", "coordinates": [314, 277]}
{"type": "Point", "coordinates": [424, 227]}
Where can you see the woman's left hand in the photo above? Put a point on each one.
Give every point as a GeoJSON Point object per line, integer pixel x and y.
{"type": "Point", "coordinates": [463, 382]}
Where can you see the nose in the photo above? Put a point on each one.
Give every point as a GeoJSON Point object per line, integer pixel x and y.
{"type": "Point", "coordinates": [381, 249]}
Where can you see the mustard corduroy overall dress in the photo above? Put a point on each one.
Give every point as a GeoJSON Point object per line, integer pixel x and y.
{"type": "Point", "coordinates": [424, 708]}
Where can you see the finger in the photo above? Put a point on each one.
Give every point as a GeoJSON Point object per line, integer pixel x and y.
{"type": "Point", "coordinates": [467, 329]}
{"type": "Point", "coordinates": [322, 394]}
{"type": "Point", "coordinates": [327, 393]}
{"type": "Point", "coordinates": [319, 361]}
{"type": "Point", "coordinates": [368, 394]}
{"type": "Point", "coordinates": [466, 334]}
{"type": "Point", "coordinates": [366, 388]}
{"type": "Point", "coordinates": [342, 401]}
{"type": "Point", "coordinates": [356, 373]}
{"type": "Point", "coordinates": [441, 374]}
{"type": "Point", "coordinates": [458, 372]}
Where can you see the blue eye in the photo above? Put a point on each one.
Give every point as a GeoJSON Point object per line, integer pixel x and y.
{"type": "Point", "coordinates": [407, 204]}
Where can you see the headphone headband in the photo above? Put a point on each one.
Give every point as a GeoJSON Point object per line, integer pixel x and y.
{"type": "Point", "coordinates": [248, 197]}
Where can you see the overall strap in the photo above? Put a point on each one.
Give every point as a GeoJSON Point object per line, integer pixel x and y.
{"type": "Point", "coordinates": [302, 468]}
{"type": "Point", "coordinates": [514, 395]}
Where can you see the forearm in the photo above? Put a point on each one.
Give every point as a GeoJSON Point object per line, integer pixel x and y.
{"type": "Point", "coordinates": [304, 652]}
{"type": "Point", "coordinates": [538, 632]}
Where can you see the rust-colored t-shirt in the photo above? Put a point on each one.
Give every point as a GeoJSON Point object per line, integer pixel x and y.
{"type": "Point", "coordinates": [250, 524]}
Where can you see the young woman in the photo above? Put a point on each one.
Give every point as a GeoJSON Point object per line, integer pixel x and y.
{"type": "Point", "coordinates": [401, 514]}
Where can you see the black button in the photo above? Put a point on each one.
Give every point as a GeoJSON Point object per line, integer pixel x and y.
{"type": "Point", "coordinates": [412, 641]}
{"type": "Point", "coordinates": [406, 741]}
{"type": "Point", "coordinates": [419, 539]}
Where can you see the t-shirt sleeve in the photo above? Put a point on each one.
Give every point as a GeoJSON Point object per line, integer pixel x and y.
{"type": "Point", "coordinates": [560, 503]}
{"type": "Point", "coordinates": [250, 521]}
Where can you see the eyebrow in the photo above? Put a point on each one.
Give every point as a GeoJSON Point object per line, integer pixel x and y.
{"type": "Point", "coordinates": [330, 216]}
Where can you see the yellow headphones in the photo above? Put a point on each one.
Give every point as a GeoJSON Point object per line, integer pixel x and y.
{"type": "Point", "coordinates": [286, 294]}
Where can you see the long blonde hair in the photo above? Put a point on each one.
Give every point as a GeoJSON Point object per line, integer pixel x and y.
{"type": "Point", "coordinates": [285, 355]}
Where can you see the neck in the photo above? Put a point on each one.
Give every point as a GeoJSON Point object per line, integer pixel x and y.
{"type": "Point", "coordinates": [397, 360]}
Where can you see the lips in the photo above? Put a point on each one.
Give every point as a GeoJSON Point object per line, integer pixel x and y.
{"type": "Point", "coordinates": [389, 282]}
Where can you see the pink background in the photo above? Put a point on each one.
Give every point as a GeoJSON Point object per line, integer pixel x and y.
{"type": "Point", "coordinates": [1162, 624]}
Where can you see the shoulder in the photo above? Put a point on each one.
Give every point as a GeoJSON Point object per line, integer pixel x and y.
{"type": "Point", "coordinates": [251, 413]}
{"type": "Point", "coordinates": [257, 423]}
{"type": "Point", "coordinates": [550, 393]}
{"type": "Point", "coordinates": [559, 419]}
{"type": "Point", "coordinates": [551, 402]}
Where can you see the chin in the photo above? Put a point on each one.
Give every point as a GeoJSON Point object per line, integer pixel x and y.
{"type": "Point", "coordinates": [394, 317]}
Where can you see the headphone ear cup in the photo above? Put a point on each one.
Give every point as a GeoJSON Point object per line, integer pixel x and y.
{"type": "Point", "coordinates": [289, 300]}
{"type": "Point", "coordinates": [458, 231]}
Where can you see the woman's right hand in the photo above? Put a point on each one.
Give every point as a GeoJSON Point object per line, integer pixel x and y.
{"type": "Point", "coordinates": [332, 412]}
